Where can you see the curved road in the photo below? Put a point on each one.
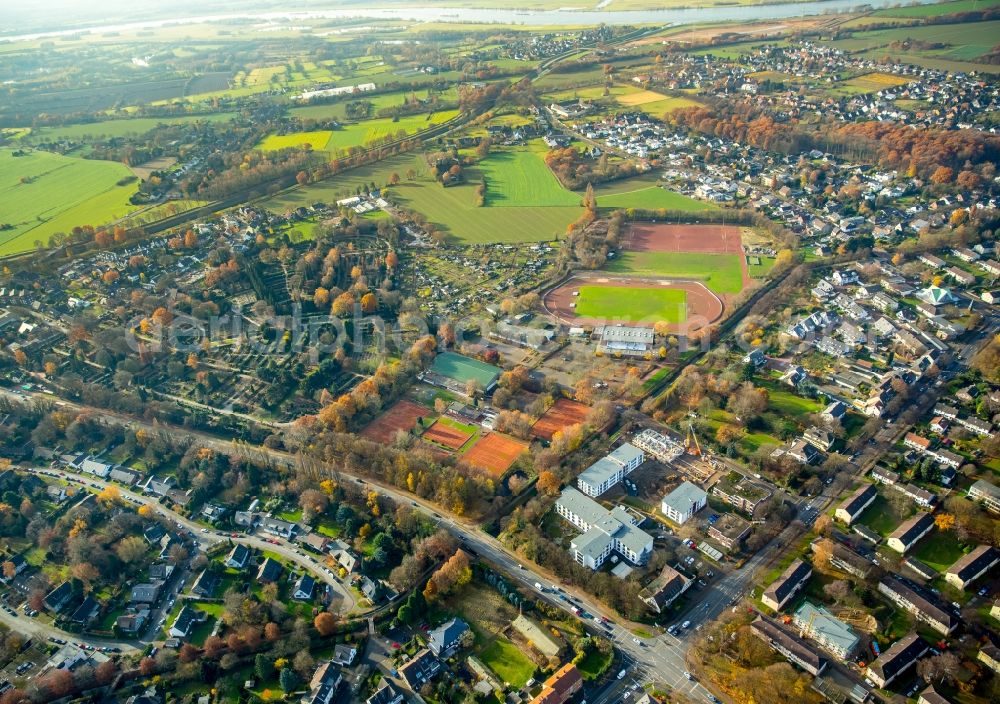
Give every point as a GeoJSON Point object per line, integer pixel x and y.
{"type": "Point", "coordinates": [659, 658]}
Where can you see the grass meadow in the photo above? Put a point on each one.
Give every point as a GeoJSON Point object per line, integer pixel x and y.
{"type": "Point", "coordinates": [721, 273]}
{"type": "Point", "coordinates": [629, 303]}
{"type": "Point", "coordinates": [43, 193]}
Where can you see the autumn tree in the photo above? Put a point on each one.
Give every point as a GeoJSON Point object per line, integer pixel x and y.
{"type": "Point", "coordinates": [325, 623]}
{"type": "Point", "coordinates": [548, 483]}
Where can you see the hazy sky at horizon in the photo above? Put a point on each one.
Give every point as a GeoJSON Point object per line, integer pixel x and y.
{"type": "Point", "coordinates": [34, 15]}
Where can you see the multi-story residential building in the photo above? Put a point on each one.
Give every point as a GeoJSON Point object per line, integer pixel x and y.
{"type": "Point", "coordinates": [603, 531]}
{"type": "Point", "coordinates": [740, 492]}
{"type": "Point", "coordinates": [896, 659]}
{"type": "Point", "coordinates": [730, 531]}
{"type": "Point", "coordinates": [793, 648]}
{"type": "Point", "coordinates": [909, 532]}
{"type": "Point", "coordinates": [561, 686]}
{"type": "Point", "coordinates": [831, 633]}
{"type": "Point", "coordinates": [970, 567]}
{"type": "Point", "coordinates": [609, 470]}
{"type": "Point", "coordinates": [785, 587]}
{"type": "Point", "coordinates": [924, 606]}
{"type": "Point", "coordinates": [683, 502]}
{"type": "Point", "coordinates": [855, 504]}
{"type": "Point", "coordinates": [987, 493]}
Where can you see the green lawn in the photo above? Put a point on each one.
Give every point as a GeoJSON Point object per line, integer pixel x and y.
{"type": "Point", "coordinates": [633, 304]}
{"type": "Point", "coordinates": [720, 272]}
{"type": "Point", "coordinates": [594, 664]}
{"type": "Point", "coordinates": [939, 549]}
{"type": "Point", "coordinates": [508, 662]}
{"type": "Point", "coordinates": [43, 193]}
{"type": "Point", "coordinates": [788, 404]}
{"type": "Point", "coordinates": [521, 178]}
{"type": "Point", "coordinates": [452, 210]}
{"type": "Point", "coordinates": [651, 198]}
{"type": "Point", "coordinates": [880, 517]}
{"type": "Point", "coordinates": [761, 270]}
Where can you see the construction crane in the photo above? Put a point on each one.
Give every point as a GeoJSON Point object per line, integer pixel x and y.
{"type": "Point", "coordinates": [691, 441]}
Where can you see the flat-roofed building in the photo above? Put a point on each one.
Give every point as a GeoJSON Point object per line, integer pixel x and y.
{"type": "Point", "coordinates": [625, 340]}
{"type": "Point", "coordinates": [604, 531]}
{"type": "Point", "coordinates": [683, 502]}
{"type": "Point", "coordinates": [609, 470]}
{"type": "Point", "coordinates": [831, 633]}
{"type": "Point", "coordinates": [730, 531]}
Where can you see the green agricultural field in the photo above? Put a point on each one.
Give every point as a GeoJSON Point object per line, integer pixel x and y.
{"type": "Point", "coordinates": [659, 108]}
{"type": "Point", "coordinates": [966, 41]}
{"type": "Point", "coordinates": [720, 272]}
{"type": "Point", "coordinates": [123, 127]}
{"type": "Point", "coordinates": [43, 193]}
{"type": "Point", "coordinates": [521, 178]}
{"type": "Point", "coordinates": [937, 9]}
{"type": "Point", "coordinates": [357, 134]}
{"type": "Point", "coordinates": [317, 140]}
{"type": "Point", "coordinates": [627, 303]}
{"type": "Point", "coordinates": [452, 210]}
{"type": "Point", "coordinates": [338, 110]}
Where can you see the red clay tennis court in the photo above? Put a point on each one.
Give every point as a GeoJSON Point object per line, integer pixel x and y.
{"type": "Point", "coordinates": [447, 435]}
{"type": "Point", "coordinates": [661, 237]}
{"type": "Point", "coordinates": [495, 453]}
{"type": "Point", "coordinates": [562, 414]}
{"type": "Point", "coordinates": [401, 415]}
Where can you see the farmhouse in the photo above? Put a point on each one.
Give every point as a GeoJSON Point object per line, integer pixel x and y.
{"type": "Point", "coordinates": [855, 504]}
{"type": "Point", "coordinates": [897, 659]}
{"type": "Point", "coordinates": [604, 531]}
{"type": "Point", "coordinates": [683, 502]}
{"type": "Point", "coordinates": [787, 585]}
{"type": "Point", "coordinates": [972, 566]}
{"type": "Point", "coordinates": [909, 532]}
